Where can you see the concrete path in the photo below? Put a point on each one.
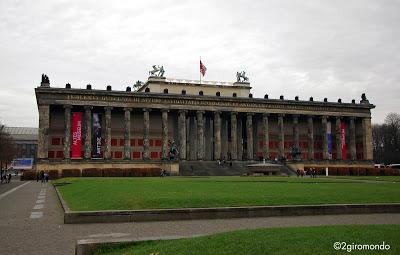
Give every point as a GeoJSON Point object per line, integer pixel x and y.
{"type": "Point", "coordinates": [31, 222]}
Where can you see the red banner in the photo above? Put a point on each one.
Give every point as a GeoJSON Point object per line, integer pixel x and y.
{"type": "Point", "coordinates": [76, 134]}
{"type": "Point", "coordinates": [343, 138]}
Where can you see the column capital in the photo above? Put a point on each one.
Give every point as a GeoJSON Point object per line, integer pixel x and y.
{"type": "Point", "coordinates": [127, 109]}
{"type": "Point", "coordinates": [67, 106]}
{"type": "Point", "coordinates": [200, 111]}
{"type": "Point", "coordinates": [88, 107]}
{"type": "Point", "coordinates": [310, 116]}
{"type": "Point", "coordinates": [266, 114]}
{"type": "Point", "coordinates": [182, 111]}
{"type": "Point", "coordinates": [234, 113]}
{"type": "Point", "coordinates": [281, 115]}
{"type": "Point", "coordinates": [217, 112]}
{"type": "Point", "coordinates": [108, 108]}
{"type": "Point", "coordinates": [164, 110]}
{"type": "Point", "coordinates": [146, 109]}
{"type": "Point", "coordinates": [249, 114]}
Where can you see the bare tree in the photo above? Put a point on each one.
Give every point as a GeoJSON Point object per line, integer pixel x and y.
{"type": "Point", "coordinates": [7, 147]}
{"type": "Point", "coordinates": [386, 140]}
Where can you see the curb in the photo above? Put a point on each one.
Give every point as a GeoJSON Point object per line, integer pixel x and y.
{"type": "Point", "coordinates": [112, 216]}
{"type": "Point", "coordinates": [223, 213]}
{"type": "Point", "coordinates": [87, 246]}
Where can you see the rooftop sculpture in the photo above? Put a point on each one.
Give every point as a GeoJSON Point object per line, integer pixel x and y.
{"type": "Point", "coordinates": [157, 71]}
{"type": "Point", "coordinates": [241, 77]}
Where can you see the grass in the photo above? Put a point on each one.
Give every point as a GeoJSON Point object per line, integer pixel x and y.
{"type": "Point", "coordinates": [369, 178]}
{"type": "Point", "coordinates": [298, 240]}
{"type": "Point", "coordinates": [88, 194]}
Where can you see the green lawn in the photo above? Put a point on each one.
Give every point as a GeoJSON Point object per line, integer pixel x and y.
{"type": "Point", "coordinates": [369, 178]}
{"type": "Point", "coordinates": [85, 194]}
{"type": "Point", "coordinates": [299, 240]}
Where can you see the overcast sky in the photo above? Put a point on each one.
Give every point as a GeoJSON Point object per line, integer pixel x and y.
{"type": "Point", "coordinates": [335, 49]}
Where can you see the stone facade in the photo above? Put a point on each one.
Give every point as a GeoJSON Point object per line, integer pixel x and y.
{"type": "Point", "coordinates": [141, 126]}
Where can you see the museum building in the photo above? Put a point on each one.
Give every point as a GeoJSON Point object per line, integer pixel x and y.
{"type": "Point", "coordinates": [169, 123]}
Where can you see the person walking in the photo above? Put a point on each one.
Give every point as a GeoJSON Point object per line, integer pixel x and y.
{"type": "Point", "coordinates": [46, 177]}
{"type": "Point", "coordinates": [9, 178]}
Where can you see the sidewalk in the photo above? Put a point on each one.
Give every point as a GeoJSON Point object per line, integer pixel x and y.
{"type": "Point", "coordinates": [45, 233]}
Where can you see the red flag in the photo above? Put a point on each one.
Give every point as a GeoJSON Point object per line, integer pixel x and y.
{"type": "Point", "coordinates": [203, 68]}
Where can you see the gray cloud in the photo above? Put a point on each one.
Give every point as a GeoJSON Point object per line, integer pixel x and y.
{"type": "Point", "coordinates": [334, 49]}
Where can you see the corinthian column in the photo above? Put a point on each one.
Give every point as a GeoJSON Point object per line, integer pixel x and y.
{"type": "Point", "coordinates": [182, 134]}
{"type": "Point", "coordinates": [217, 135]}
{"type": "Point", "coordinates": [146, 132]}
{"type": "Point", "coordinates": [325, 153]}
{"type": "Point", "coordinates": [233, 135]}
{"type": "Point", "coordinates": [67, 136]}
{"type": "Point", "coordinates": [266, 136]}
{"type": "Point", "coordinates": [107, 151]}
{"type": "Point", "coordinates": [164, 126]}
{"type": "Point", "coordinates": [281, 149]}
{"type": "Point", "coordinates": [240, 138]}
{"type": "Point", "coordinates": [88, 132]}
{"type": "Point", "coordinates": [296, 131]}
{"type": "Point", "coordinates": [352, 129]}
{"type": "Point", "coordinates": [200, 135]}
{"type": "Point", "coordinates": [249, 126]}
{"type": "Point", "coordinates": [127, 133]}
{"type": "Point", "coordinates": [338, 139]}
{"type": "Point", "coordinates": [43, 138]}
{"type": "Point", "coordinates": [310, 132]}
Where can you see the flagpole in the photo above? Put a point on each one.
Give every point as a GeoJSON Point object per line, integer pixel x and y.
{"type": "Point", "coordinates": [200, 69]}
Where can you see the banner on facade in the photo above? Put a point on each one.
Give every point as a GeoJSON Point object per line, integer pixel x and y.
{"type": "Point", "coordinates": [343, 138]}
{"type": "Point", "coordinates": [329, 134]}
{"type": "Point", "coordinates": [96, 142]}
{"type": "Point", "coordinates": [76, 135]}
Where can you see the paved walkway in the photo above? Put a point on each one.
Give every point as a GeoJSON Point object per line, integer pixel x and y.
{"type": "Point", "coordinates": [31, 222]}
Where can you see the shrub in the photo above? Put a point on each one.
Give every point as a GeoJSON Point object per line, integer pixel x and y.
{"type": "Point", "coordinates": [71, 173]}
{"type": "Point", "coordinates": [92, 172]}
{"type": "Point", "coordinates": [29, 175]}
{"type": "Point", "coordinates": [53, 174]}
{"type": "Point", "coordinates": [113, 172]}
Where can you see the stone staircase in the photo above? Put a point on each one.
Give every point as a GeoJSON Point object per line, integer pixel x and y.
{"type": "Point", "coordinates": [211, 168]}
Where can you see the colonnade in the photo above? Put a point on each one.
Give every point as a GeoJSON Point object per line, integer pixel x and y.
{"type": "Point", "coordinates": [236, 127]}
